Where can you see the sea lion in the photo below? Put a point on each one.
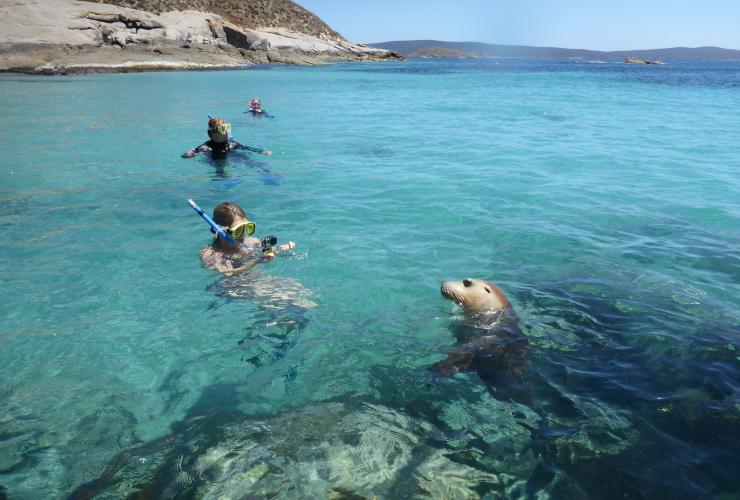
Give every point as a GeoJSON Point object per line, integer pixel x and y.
{"type": "Point", "coordinates": [475, 296]}
{"type": "Point", "coordinates": [490, 341]}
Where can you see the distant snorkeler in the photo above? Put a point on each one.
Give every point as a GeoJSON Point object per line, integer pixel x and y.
{"type": "Point", "coordinates": [220, 142]}
{"type": "Point", "coordinates": [255, 107]}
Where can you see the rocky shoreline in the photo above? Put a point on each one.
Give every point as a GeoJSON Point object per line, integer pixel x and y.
{"type": "Point", "coordinates": [65, 37]}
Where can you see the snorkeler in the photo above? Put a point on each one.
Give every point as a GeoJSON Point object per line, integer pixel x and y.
{"type": "Point", "coordinates": [255, 106]}
{"type": "Point", "coordinates": [220, 143]}
{"type": "Point", "coordinates": [234, 249]}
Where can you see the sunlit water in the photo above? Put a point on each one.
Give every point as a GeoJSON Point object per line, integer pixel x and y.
{"type": "Point", "coordinates": [603, 199]}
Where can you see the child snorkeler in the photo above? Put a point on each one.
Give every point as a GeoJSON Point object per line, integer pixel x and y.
{"type": "Point", "coordinates": [219, 143]}
{"type": "Point", "coordinates": [255, 106]}
{"type": "Point", "coordinates": [227, 257]}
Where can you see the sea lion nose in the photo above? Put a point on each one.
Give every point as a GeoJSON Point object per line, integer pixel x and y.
{"type": "Point", "coordinates": [467, 282]}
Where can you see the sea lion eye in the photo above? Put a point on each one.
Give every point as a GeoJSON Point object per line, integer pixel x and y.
{"type": "Point", "coordinates": [467, 282]}
{"type": "Point", "coordinates": [487, 289]}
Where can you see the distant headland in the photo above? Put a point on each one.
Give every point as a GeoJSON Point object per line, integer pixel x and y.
{"type": "Point", "coordinates": [436, 48]}
{"type": "Point", "coordinates": [69, 36]}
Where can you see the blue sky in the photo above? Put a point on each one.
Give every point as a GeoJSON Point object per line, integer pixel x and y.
{"type": "Point", "coordinates": [583, 24]}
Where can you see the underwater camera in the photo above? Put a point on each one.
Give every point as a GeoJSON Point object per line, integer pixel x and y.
{"type": "Point", "coordinates": [268, 242]}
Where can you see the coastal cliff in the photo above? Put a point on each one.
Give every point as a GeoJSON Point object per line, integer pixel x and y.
{"type": "Point", "coordinates": [67, 36]}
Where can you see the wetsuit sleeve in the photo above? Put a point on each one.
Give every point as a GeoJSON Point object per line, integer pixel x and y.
{"type": "Point", "coordinates": [238, 145]}
{"type": "Point", "coordinates": [202, 148]}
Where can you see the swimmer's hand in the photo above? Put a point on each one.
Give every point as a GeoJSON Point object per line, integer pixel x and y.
{"type": "Point", "coordinates": [270, 252]}
{"type": "Point", "coordinates": [267, 152]}
{"type": "Point", "coordinates": [189, 153]}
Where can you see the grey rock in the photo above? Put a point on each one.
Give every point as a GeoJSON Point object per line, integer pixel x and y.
{"type": "Point", "coordinates": [121, 38]}
{"type": "Point", "coordinates": [47, 36]}
{"type": "Point", "coordinates": [243, 39]}
{"type": "Point", "coordinates": [634, 60]}
{"type": "Point", "coordinates": [172, 34]}
{"type": "Point", "coordinates": [104, 18]}
{"type": "Point", "coordinates": [263, 45]}
{"type": "Point", "coordinates": [149, 24]}
{"type": "Point", "coordinates": [217, 29]}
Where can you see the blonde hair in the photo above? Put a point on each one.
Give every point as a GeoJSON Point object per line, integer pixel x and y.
{"type": "Point", "coordinates": [216, 123]}
{"type": "Point", "coordinates": [218, 129]}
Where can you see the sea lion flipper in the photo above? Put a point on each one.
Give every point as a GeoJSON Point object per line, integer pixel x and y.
{"type": "Point", "coordinates": [458, 360]}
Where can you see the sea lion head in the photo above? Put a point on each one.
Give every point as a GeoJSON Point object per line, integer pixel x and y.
{"type": "Point", "coordinates": [475, 296]}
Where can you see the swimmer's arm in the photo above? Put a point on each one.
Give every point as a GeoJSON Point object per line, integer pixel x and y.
{"type": "Point", "coordinates": [262, 255]}
{"type": "Point", "coordinates": [285, 246]}
{"type": "Point", "coordinates": [228, 269]}
{"type": "Point", "coordinates": [203, 148]}
{"type": "Point", "coordinates": [213, 259]}
{"type": "Point", "coordinates": [238, 145]}
{"type": "Point", "coordinates": [269, 254]}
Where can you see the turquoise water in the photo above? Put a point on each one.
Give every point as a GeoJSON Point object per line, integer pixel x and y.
{"type": "Point", "coordinates": [603, 199]}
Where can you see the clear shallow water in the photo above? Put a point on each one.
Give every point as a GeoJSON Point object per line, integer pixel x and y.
{"type": "Point", "coordinates": [603, 199]}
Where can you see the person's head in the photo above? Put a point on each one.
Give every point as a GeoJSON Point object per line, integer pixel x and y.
{"type": "Point", "coordinates": [218, 129]}
{"type": "Point", "coordinates": [255, 104]}
{"type": "Point", "coordinates": [232, 218]}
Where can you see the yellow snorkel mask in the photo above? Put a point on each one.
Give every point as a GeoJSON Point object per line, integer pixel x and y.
{"type": "Point", "coordinates": [220, 132]}
{"type": "Point", "coordinates": [224, 128]}
{"type": "Point", "coordinates": [237, 231]}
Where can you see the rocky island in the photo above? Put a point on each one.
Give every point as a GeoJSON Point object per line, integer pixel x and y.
{"type": "Point", "coordinates": [68, 36]}
{"type": "Point", "coordinates": [444, 52]}
{"type": "Point", "coordinates": [635, 60]}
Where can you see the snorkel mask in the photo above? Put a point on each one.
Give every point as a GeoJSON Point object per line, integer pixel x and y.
{"type": "Point", "coordinates": [237, 231]}
{"type": "Point", "coordinates": [220, 133]}
{"type": "Point", "coordinates": [224, 128]}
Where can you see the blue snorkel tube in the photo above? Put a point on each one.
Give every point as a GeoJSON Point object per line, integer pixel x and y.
{"type": "Point", "coordinates": [216, 227]}
{"type": "Point", "coordinates": [266, 242]}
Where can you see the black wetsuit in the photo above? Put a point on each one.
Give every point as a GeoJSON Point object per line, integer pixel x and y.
{"type": "Point", "coordinates": [219, 150]}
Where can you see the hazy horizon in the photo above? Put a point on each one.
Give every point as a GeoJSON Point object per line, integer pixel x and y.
{"type": "Point", "coordinates": [549, 46]}
{"type": "Point", "coordinates": [572, 24]}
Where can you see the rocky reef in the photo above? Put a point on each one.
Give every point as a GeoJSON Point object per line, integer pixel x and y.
{"type": "Point", "coordinates": [634, 60]}
{"type": "Point", "coordinates": [65, 36]}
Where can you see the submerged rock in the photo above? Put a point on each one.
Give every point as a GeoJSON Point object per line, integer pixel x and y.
{"type": "Point", "coordinates": [603, 431]}
{"type": "Point", "coordinates": [322, 450]}
{"type": "Point", "coordinates": [333, 451]}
